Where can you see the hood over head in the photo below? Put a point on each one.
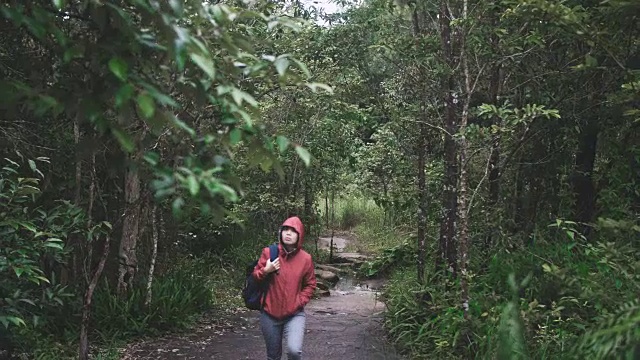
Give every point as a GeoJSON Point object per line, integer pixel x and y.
{"type": "Point", "coordinates": [295, 223]}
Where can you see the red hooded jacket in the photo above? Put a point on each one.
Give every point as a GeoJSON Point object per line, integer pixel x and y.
{"type": "Point", "coordinates": [291, 287]}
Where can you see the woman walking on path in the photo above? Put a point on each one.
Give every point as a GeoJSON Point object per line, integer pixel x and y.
{"type": "Point", "coordinates": [292, 281]}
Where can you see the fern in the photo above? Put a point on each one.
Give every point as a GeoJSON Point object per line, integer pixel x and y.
{"type": "Point", "coordinates": [618, 335]}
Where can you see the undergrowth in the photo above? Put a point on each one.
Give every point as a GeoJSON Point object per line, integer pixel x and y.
{"type": "Point", "coordinates": [180, 295]}
{"type": "Point", "coordinates": [576, 306]}
{"type": "Point", "coordinates": [562, 298]}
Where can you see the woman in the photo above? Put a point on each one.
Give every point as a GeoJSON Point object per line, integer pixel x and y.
{"type": "Point", "coordinates": [292, 281]}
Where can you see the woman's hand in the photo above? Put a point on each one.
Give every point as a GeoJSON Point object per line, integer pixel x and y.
{"type": "Point", "coordinates": [272, 266]}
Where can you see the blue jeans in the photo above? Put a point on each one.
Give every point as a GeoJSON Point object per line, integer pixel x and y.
{"type": "Point", "coordinates": [292, 328]}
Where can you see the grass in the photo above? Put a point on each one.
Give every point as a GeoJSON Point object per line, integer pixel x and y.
{"type": "Point", "coordinates": [375, 228]}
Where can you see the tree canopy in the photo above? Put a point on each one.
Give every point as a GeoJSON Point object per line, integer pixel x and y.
{"type": "Point", "coordinates": [498, 142]}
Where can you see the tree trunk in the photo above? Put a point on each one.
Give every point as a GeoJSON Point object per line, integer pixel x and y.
{"type": "Point", "coordinates": [421, 176]}
{"type": "Point", "coordinates": [154, 252]}
{"type": "Point", "coordinates": [73, 239]}
{"type": "Point", "coordinates": [518, 197]}
{"type": "Point", "coordinates": [308, 205]}
{"type": "Point", "coordinates": [326, 206]}
{"type": "Point", "coordinates": [447, 246]}
{"type": "Point", "coordinates": [83, 352]}
{"type": "Point", "coordinates": [422, 201]}
{"type": "Point", "coordinates": [88, 296]}
{"type": "Point", "coordinates": [494, 160]}
{"type": "Point", "coordinates": [333, 223]}
{"type": "Point", "coordinates": [130, 229]}
{"type": "Point", "coordinates": [583, 186]}
{"type": "Point", "coordinates": [463, 201]}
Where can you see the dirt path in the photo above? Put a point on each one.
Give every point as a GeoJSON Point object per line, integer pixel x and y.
{"type": "Point", "coordinates": [346, 325]}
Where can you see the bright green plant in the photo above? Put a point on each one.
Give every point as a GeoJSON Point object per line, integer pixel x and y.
{"type": "Point", "coordinates": [511, 333]}
{"type": "Point", "coordinates": [617, 335]}
{"type": "Point", "coordinates": [179, 295]}
{"type": "Point", "coordinates": [29, 236]}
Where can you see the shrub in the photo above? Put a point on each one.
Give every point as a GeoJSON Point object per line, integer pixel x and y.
{"type": "Point", "coordinates": [179, 295]}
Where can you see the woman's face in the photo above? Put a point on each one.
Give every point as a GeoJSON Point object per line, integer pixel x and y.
{"type": "Point", "coordinates": [289, 236]}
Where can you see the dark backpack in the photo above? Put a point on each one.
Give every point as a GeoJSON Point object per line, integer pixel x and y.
{"type": "Point", "coordinates": [254, 292]}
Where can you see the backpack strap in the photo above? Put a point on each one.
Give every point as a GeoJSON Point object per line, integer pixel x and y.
{"type": "Point", "coordinates": [273, 255]}
{"type": "Point", "coordinates": [273, 252]}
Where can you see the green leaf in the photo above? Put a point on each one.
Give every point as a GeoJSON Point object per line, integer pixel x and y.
{"type": "Point", "coordinates": [123, 95]}
{"type": "Point", "coordinates": [315, 86]}
{"type": "Point", "coordinates": [304, 155]}
{"type": "Point", "coordinates": [205, 63]}
{"type": "Point", "coordinates": [281, 64]}
{"type": "Point", "coordinates": [283, 143]}
{"type": "Point", "coordinates": [32, 165]}
{"type": "Point", "coordinates": [59, 4]}
{"type": "Point", "coordinates": [177, 7]}
{"type": "Point", "coordinates": [160, 97]}
{"type": "Point", "coordinates": [73, 52]}
{"type": "Point", "coordinates": [194, 185]}
{"type": "Point", "coordinates": [152, 158]}
{"type": "Point", "coordinates": [146, 105]}
{"type": "Point", "coordinates": [302, 67]}
{"type": "Point", "coordinates": [239, 96]}
{"type": "Point", "coordinates": [15, 320]}
{"type": "Point", "coordinates": [182, 125]}
{"type": "Point", "coordinates": [176, 206]}
{"type": "Point", "coordinates": [119, 68]}
{"type": "Point", "coordinates": [53, 245]}
{"type": "Point", "coordinates": [124, 139]}
{"type": "Point", "coordinates": [590, 61]}
{"type": "Point", "coordinates": [28, 226]}
{"type": "Point", "coordinates": [235, 136]}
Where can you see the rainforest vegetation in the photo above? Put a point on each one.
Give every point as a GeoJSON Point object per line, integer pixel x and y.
{"type": "Point", "coordinates": [486, 153]}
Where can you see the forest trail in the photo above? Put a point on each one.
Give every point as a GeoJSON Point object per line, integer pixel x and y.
{"type": "Point", "coordinates": [346, 325]}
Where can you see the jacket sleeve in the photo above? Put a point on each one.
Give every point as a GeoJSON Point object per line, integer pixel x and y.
{"type": "Point", "coordinates": [308, 285]}
{"type": "Point", "coordinates": [258, 271]}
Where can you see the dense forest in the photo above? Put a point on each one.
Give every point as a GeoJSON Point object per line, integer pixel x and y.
{"type": "Point", "coordinates": [486, 153]}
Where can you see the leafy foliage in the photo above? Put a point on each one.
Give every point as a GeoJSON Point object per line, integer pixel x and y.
{"type": "Point", "coordinates": [30, 236]}
{"type": "Point", "coordinates": [232, 115]}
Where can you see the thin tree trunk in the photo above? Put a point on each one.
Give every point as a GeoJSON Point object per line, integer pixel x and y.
{"type": "Point", "coordinates": [447, 246]}
{"type": "Point", "coordinates": [91, 285]}
{"type": "Point", "coordinates": [518, 206]}
{"type": "Point", "coordinates": [73, 239]}
{"type": "Point", "coordinates": [422, 191]}
{"type": "Point", "coordinates": [326, 205]}
{"type": "Point", "coordinates": [154, 252]}
{"type": "Point", "coordinates": [422, 201]}
{"type": "Point", "coordinates": [308, 205]}
{"type": "Point", "coordinates": [92, 188]}
{"type": "Point", "coordinates": [494, 160]}
{"type": "Point", "coordinates": [76, 138]}
{"type": "Point", "coordinates": [88, 296]}
{"type": "Point", "coordinates": [130, 230]}
{"type": "Point", "coordinates": [333, 223]}
{"type": "Point", "coordinates": [463, 201]}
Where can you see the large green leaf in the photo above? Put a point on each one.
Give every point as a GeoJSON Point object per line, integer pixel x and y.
{"type": "Point", "coordinates": [146, 105]}
{"type": "Point", "coordinates": [119, 68]}
{"type": "Point", "coordinates": [304, 155]}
